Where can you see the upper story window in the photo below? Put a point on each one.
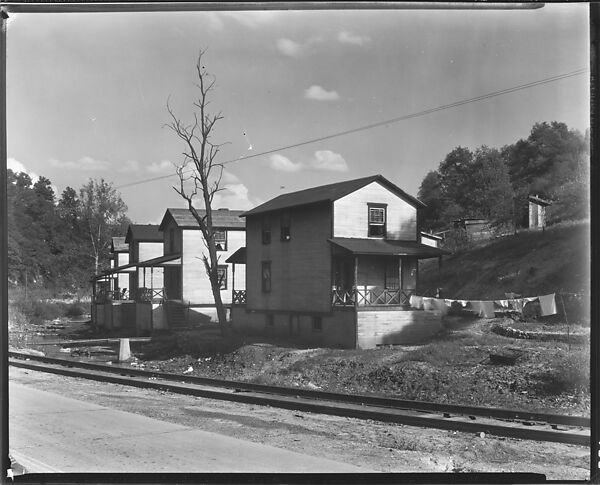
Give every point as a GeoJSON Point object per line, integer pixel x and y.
{"type": "Point", "coordinates": [266, 230]}
{"type": "Point", "coordinates": [377, 220]}
{"type": "Point", "coordinates": [286, 234]}
{"type": "Point", "coordinates": [222, 276]}
{"type": "Point", "coordinates": [266, 276]}
{"type": "Point", "coordinates": [221, 239]}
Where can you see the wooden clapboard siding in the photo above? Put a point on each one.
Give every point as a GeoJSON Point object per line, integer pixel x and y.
{"type": "Point", "coordinates": [351, 214]}
{"type": "Point", "coordinates": [300, 267]}
{"type": "Point", "coordinates": [149, 250]}
{"type": "Point", "coordinates": [196, 287]}
{"type": "Point", "coordinates": [395, 327]}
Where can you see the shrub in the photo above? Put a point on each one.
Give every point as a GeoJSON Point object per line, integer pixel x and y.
{"type": "Point", "coordinates": [76, 310]}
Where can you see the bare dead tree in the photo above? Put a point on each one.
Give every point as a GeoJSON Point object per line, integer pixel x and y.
{"type": "Point", "coordinates": [200, 174]}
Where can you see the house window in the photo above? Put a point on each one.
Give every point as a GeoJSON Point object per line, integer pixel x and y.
{"type": "Point", "coordinates": [221, 239]}
{"type": "Point", "coordinates": [222, 276]}
{"type": "Point", "coordinates": [266, 230]}
{"type": "Point", "coordinates": [317, 324]}
{"type": "Point", "coordinates": [377, 220]}
{"type": "Point", "coordinates": [286, 234]}
{"type": "Point", "coordinates": [266, 276]}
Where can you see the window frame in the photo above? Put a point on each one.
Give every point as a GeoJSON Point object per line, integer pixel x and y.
{"type": "Point", "coordinates": [371, 224]}
{"type": "Point", "coordinates": [266, 229]}
{"type": "Point", "coordinates": [285, 222]}
{"type": "Point", "coordinates": [218, 242]}
{"type": "Point", "coordinates": [265, 282]}
{"type": "Point", "coordinates": [223, 267]}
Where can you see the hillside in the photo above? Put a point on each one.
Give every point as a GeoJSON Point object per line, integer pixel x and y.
{"type": "Point", "coordinates": [529, 263]}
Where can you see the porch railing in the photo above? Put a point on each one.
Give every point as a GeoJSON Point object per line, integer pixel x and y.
{"type": "Point", "coordinates": [150, 294]}
{"type": "Point", "coordinates": [238, 297]}
{"type": "Point", "coordinates": [371, 297]}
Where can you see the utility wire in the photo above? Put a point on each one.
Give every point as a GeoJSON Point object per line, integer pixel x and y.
{"type": "Point", "coordinates": [386, 122]}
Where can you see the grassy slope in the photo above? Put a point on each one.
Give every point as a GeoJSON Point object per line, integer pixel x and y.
{"type": "Point", "coordinates": [530, 263]}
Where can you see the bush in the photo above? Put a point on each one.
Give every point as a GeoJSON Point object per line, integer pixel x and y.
{"type": "Point", "coordinates": [76, 310]}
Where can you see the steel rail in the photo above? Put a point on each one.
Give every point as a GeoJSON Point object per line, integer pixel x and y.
{"type": "Point", "coordinates": [424, 406]}
{"type": "Point", "coordinates": [385, 414]}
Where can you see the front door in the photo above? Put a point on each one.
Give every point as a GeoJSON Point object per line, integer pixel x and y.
{"type": "Point", "coordinates": [343, 273]}
{"type": "Point", "coordinates": [409, 273]}
{"type": "Point", "coordinates": [173, 283]}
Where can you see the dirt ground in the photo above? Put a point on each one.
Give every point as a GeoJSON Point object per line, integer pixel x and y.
{"type": "Point", "coordinates": [548, 376]}
{"type": "Point", "coordinates": [377, 446]}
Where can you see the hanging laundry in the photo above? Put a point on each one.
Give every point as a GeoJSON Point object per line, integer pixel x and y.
{"type": "Point", "coordinates": [517, 304]}
{"type": "Point", "coordinates": [487, 309]}
{"type": "Point", "coordinates": [440, 306]}
{"type": "Point", "coordinates": [547, 305]}
{"type": "Point", "coordinates": [416, 302]}
{"type": "Point", "coordinates": [428, 304]}
{"type": "Point", "coordinates": [501, 303]}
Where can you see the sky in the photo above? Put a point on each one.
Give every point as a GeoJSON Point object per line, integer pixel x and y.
{"type": "Point", "coordinates": [87, 93]}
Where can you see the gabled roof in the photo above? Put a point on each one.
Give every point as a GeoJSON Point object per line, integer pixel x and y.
{"type": "Point", "coordinates": [143, 233]}
{"type": "Point", "coordinates": [539, 201]}
{"type": "Point", "coordinates": [184, 219]}
{"type": "Point", "coordinates": [329, 192]}
{"type": "Point", "coordinates": [118, 245]}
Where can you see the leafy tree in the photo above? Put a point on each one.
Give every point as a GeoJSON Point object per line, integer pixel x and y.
{"type": "Point", "coordinates": [103, 214]}
{"type": "Point", "coordinates": [491, 193]}
{"type": "Point", "coordinates": [430, 193]}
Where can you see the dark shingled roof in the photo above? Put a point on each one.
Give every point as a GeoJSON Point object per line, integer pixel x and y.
{"type": "Point", "coordinates": [329, 192]}
{"type": "Point", "coordinates": [183, 218]}
{"type": "Point", "coordinates": [239, 257]}
{"type": "Point", "coordinates": [144, 233]}
{"type": "Point", "coordinates": [118, 245]}
{"type": "Point", "coordinates": [386, 247]}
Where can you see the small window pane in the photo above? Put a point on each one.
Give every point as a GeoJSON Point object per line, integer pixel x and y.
{"type": "Point", "coordinates": [377, 216]}
{"type": "Point", "coordinates": [221, 239]}
{"type": "Point", "coordinates": [222, 276]}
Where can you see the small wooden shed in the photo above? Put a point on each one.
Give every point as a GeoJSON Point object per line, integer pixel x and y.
{"type": "Point", "coordinates": [537, 211]}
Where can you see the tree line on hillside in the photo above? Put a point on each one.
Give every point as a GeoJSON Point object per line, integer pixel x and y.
{"type": "Point", "coordinates": [493, 184]}
{"type": "Point", "coordinates": [60, 244]}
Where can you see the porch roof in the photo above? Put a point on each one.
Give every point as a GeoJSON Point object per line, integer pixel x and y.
{"type": "Point", "coordinates": [239, 257]}
{"type": "Point", "coordinates": [382, 247]}
{"type": "Point", "coordinates": [166, 260]}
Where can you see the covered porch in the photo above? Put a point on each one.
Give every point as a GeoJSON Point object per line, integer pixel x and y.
{"type": "Point", "coordinates": [376, 272]}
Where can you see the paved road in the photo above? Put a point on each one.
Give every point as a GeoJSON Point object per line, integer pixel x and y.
{"type": "Point", "coordinates": [50, 433]}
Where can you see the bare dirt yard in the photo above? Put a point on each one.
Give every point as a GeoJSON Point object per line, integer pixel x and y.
{"type": "Point", "coordinates": [550, 374]}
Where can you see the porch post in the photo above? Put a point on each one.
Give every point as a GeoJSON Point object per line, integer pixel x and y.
{"type": "Point", "coordinates": [356, 281]}
{"type": "Point", "coordinates": [151, 277]}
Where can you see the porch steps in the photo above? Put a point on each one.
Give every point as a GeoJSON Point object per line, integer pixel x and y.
{"type": "Point", "coordinates": [176, 314]}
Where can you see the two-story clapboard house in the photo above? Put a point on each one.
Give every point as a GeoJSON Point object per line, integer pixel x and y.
{"type": "Point", "coordinates": [335, 265]}
{"type": "Point", "coordinates": [145, 243]}
{"type": "Point", "coordinates": [186, 282]}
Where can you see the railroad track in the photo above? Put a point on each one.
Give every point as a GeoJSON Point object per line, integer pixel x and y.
{"type": "Point", "coordinates": [498, 422]}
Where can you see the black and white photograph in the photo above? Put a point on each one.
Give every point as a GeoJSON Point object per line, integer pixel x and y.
{"type": "Point", "coordinates": [301, 239]}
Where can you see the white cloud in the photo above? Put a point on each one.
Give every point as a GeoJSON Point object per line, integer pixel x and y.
{"type": "Point", "coordinates": [86, 163]}
{"type": "Point", "coordinates": [279, 162]}
{"type": "Point", "coordinates": [129, 166]}
{"type": "Point", "coordinates": [289, 47]}
{"type": "Point", "coordinates": [319, 94]}
{"type": "Point", "coordinates": [162, 166]}
{"type": "Point", "coordinates": [329, 161]}
{"type": "Point", "coordinates": [349, 38]}
{"type": "Point", "coordinates": [17, 167]}
{"type": "Point", "coordinates": [234, 197]}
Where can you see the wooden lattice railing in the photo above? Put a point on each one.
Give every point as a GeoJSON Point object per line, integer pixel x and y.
{"type": "Point", "coordinates": [150, 294]}
{"type": "Point", "coordinates": [238, 297]}
{"type": "Point", "coordinates": [371, 297]}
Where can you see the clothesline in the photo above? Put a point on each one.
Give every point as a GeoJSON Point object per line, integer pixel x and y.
{"type": "Point", "coordinates": [485, 308]}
